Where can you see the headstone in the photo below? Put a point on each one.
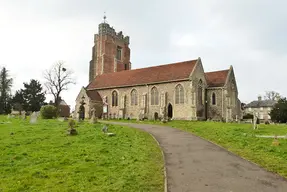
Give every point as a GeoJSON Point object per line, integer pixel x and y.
{"type": "Point", "coordinates": [93, 116]}
{"type": "Point", "coordinates": [254, 121]}
{"type": "Point", "coordinates": [33, 118]}
{"type": "Point", "coordinates": [8, 116]}
{"type": "Point", "coordinates": [105, 129]}
{"type": "Point", "coordinates": [23, 115]}
{"type": "Point", "coordinates": [61, 119]}
{"type": "Point", "coordinates": [38, 113]}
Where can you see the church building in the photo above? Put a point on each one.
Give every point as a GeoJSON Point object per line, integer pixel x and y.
{"type": "Point", "coordinates": [180, 91]}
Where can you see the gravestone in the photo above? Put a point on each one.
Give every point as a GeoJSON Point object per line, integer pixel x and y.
{"type": "Point", "coordinates": [33, 118]}
{"type": "Point", "coordinates": [93, 116]}
{"type": "Point", "coordinates": [105, 131]}
{"type": "Point", "coordinates": [61, 119]}
{"type": "Point", "coordinates": [23, 115]}
{"type": "Point", "coordinates": [8, 116]}
{"type": "Point", "coordinates": [254, 121]}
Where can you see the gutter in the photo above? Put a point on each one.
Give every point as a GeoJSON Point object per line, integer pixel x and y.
{"type": "Point", "coordinates": [142, 84]}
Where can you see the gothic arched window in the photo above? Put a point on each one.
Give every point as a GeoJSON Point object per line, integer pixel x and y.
{"type": "Point", "coordinates": [114, 98]}
{"type": "Point", "coordinates": [154, 96]}
{"type": "Point", "coordinates": [134, 97]}
{"type": "Point", "coordinates": [179, 94]}
{"type": "Point", "coordinates": [213, 99]}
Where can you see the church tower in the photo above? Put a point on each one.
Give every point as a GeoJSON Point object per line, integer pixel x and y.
{"type": "Point", "coordinates": [111, 52]}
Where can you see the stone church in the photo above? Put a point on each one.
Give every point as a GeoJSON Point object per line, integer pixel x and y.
{"type": "Point", "coordinates": [182, 91]}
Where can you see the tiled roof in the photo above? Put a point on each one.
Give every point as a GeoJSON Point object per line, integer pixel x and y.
{"type": "Point", "coordinates": [216, 78]}
{"type": "Point", "coordinates": [161, 73]}
{"type": "Point", "coordinates": [62, 102]}
{"type": "Point", "coordinates": [94, 95]}
{"type": "Point", "coordinates": [262, 103]}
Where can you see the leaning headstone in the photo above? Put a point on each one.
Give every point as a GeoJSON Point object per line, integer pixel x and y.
{"type": "Point", "coordinates": [33, 118]}
{"type": "Point", "coordinates": [8, 116]}
{"type": "Point", "coordinates": [105, 131]}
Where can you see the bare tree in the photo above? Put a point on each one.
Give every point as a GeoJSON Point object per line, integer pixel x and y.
{"type": "Point", "coordinates": [272, 95]}
{"type": "Point", "coordinates": [58, 78]}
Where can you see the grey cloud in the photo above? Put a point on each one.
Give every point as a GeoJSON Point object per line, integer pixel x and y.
{"type": "Point", "coordinates": [250, 35]}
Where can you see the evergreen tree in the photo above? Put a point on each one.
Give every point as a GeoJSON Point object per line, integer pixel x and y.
{"type": "Point", "coordinates": [5, 91]}
{"type": "Point", "coordinates": [33, 95]}
{"type": "Point", "coordinates": [279, 112]}
{"type": "Point", "coordinates": [19, 102]}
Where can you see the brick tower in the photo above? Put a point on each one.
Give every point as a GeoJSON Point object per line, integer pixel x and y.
{"type": "Point", "coordinates": [111, 52]}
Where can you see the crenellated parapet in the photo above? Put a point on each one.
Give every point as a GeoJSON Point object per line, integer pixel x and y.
{"type": "Point", "coordinates": [105, 29]}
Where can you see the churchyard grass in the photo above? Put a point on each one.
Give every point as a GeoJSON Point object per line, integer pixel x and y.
{"type": "Point", "coordinates": [240, 139]}
{"type": "Point", "coordinates": [42, 157]}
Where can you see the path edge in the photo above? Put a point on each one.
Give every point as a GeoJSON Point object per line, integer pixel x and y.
{"type": "Point", "coordinates": [162, 153]}
{"type": "Point", "coordinates": [163, 157]}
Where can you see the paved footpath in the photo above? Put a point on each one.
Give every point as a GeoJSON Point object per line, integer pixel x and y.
{"type": "Point", "coordinates": [194, 164]}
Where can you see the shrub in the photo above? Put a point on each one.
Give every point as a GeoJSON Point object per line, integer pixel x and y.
{"type": "Point", "coordinates": [248, 116]}
{"type": "Point", "coordinates": [48, 112]}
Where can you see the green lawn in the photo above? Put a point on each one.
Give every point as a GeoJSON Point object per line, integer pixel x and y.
{"type": "Point", "coordinates": [41, 157]}
{"type": "Point", "coordinates": [239, 139]}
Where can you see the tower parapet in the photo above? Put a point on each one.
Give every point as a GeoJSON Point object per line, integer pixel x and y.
{"type": "Point", "coordinates": [106, 29]}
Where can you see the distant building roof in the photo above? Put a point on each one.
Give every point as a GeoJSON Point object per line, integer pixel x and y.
{"type": "Point", "coordinates": [261, 103]}
{"type": "Point", "coordinates": [63, 102]}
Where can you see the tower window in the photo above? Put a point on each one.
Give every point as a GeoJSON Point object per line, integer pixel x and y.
{"type": "Point", "coordinates": [119, 53]}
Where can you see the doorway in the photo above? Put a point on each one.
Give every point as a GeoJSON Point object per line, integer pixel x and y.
{"type": "Point", "coordinates": [169, 111]}
{"type": "Point", "coordinates": [82, 112]}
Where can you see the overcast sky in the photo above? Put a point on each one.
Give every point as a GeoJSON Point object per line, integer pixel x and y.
{"type": "Point", "coordinates": [251, 35]}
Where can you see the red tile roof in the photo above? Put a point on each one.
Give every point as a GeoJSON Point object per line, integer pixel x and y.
{"type": "Point", "coordinates": [94, 95]}
{"type": "Point", "coordinates": [216, 78]}
{"type": "Point", "coordinates": [161, 73]}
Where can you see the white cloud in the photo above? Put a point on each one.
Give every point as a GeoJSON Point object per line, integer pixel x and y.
{"type": "Point", "coordinates": [250, 35]}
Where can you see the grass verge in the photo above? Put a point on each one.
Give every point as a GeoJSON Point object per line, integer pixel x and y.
{"type": "Point", "coordinates": [41, 157]}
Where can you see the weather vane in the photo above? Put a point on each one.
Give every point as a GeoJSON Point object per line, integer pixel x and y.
{"type": "Point", "coordinates": [105, 17]}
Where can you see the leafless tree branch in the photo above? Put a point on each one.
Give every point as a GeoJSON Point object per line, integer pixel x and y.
{"type": "Point", "coordinates": [58, 78]}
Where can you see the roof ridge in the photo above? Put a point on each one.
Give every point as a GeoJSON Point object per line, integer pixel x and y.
{"type": "Point", "coordinates": [157, 66]}
{"type": "Point", "coordinates": [217, 71]}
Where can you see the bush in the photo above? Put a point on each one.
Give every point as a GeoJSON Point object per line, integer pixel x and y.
{"type": "Point", "coordinates": [248, 116]}
{"type": "Point", "coordinates": [48, 112]}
